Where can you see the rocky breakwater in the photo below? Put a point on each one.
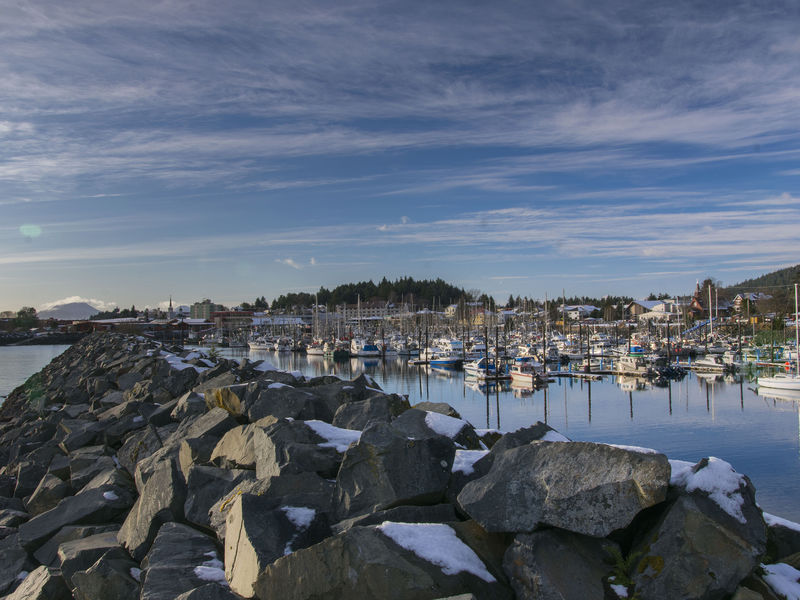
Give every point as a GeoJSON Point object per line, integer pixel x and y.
{"type": "Point", "coordinates": [131, 470]}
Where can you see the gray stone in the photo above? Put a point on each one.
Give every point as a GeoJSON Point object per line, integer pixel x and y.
{"type": "Point", "coordinates": [160, 501]}
{"type": "Point", "coordinates": [210, 591]}
{"type": "Point", "coordinates": [110, 577]}
{"type": "Point", "coordinates": [47, 555]}
{"type": "Point", "coordinates": [171, 567]}
{"type": "Point", "coordinates": [386, 469]}
{"type": "Point", "coordinates": [190, 404]}
{"type": "Point", "coordinates": [195, 452]}
{"type": "Point", "coordinates": [420, 424]}
{"type": "Point", "coordinates": [579, 486]}
{"type": "Point", "coordinates": [437, 513]}
{"type": "Point", "coordinates": [557, 565]}
{"type": "Point", "coordinates": [92, 505]}
{"type": "Point", "coordinates": [287, 402]}
{"type": "Point", "coordinates": [50, 491]}
{"type": "Point", "coordinates": [205, 487]}
{"type": "Point", "coordinates": [258, 533]}
{"type": "Point", "coordinates": [79, 478]}
{"type": "Point", "coordinates": [358, 415]}
{"type": "Point", "coordinates": [79, 555]}
{"type": "Point", "coordinates": [138, 446]}
{"type": "Point", "coordinates": [147, 466]}
{"type": "Point", "coordinates": [783, 538]}
{"type": "Point", "coordinates": [13, 561]}
{"type": "Point", "coordinates": [697, 549]}
{"type": "Point", "coordinates": [41, 584]}
{"type": "Point", "coordinates": [365, 563]}
{"type": "Point", "coordinates": [438, 407]}
{"type": "Point", "coordinates": [210, 425]}
{"type": "Point", "coordinates": [235, 449]}
{"type": "Point", "coordinates": [292, 447]}
{"type": "Point", "coordinates": [12, 518]}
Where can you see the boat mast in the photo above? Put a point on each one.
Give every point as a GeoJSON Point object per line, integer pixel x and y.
{"type": "Point", "coordinates": [796, 335]}
{"type": "Point", "coordinates": [710, 314]}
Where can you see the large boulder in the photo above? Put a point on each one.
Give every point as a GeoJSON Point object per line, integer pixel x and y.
{"type": "Point", "coordinates": [205, 487]}
{"type": "Point", "coordinates": [111, 576]}
{"type": "Point", "coordinates": [50, 491]}
{"type": "Point", "coordinates": [391, 561]}
{"type": "Point", "coordinates": [260, 530]}
{"type": "Point", "coordinates": [235, 450]}
{"type": "Point", "coordinates": [79, 555]}
{"type": "Point", "coordinates": [161, 501]}
{"type": "Point", "coordinates": [709, 539]}
{"type": "Point", "coordinates": [377, 408]}
{"type": "Point", "coordinates": [13, 561]}
{"type": "Point", "coordinates": [47, 555]}
{"type": "Point", "coordinates": [180, 560]}
{"type": "Point", "coordinates": [386, 469]}
{"type": "Point", "coordinates": [418, 424]}
{"type": "Point", "coordinates": [293, 447]}
{"type": "Point", "coordinates": [42, 583]}
{"type": "Point", "coordinates": [583, 487]}
{"type": "Point", "coordinates": [557, 565]}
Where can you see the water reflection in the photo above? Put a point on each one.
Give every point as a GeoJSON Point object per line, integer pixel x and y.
{"type": "Point", "coordinates": [756, 430]}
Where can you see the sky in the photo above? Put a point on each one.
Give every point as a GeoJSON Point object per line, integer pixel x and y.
{"type": "Point", "coordinates": [229, 150]}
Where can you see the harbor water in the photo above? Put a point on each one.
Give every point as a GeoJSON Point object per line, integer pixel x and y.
{"type": "Point", "coordinates": [698, 416]}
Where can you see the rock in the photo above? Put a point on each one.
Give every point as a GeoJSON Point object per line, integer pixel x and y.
{"type": "Point", "coordinates": [359, 414]}
{"type": "Point", "coordinates": [195, 452]}
{"type": "Point", "coordinates": [557, 565]}
{"type": "Point", "coordinates": [706, 541]}
{"type": "Point", "coordinates": [307, 489]}
{"type": "Point", "coordinates": [579, 486]}
{"type": "Point", "coordinates": [205, 487]}
{"type": "Point", "coordinates": [48, 553]}
{"type": "Point", "coordinates": [137, 446]}
{"type": "Point", "coordinates": [161, 414]}
{"type": "Point", "coordinates": [282, 401]}
{"type": "Point", "coordinates": [438, 407]}
{"type": "Point", "coordinates": [79, 555]}
{"type": "Point", "coordinates": [365, 562]}
{"type": "Point", "coordinates": [259, 531]}
{"type": "Point", "coordinates": [292, 447]}
{"type": "Point", "coordinates": [211, 425]}
{"type": "Point", "coordinates": [111, 576]}
{"type": "Point", "coordinates": [13, 561]}
{"type": "Point", "coordinates": [437, 513]}
{"type": "Point", "coordinates": [235, 450]}
{"type": "Point", "coordinates": [50, 491]}
{"type": "Point", "coordinates": [12, 518]}
{"type": "Point", "coordinates": [180, 560]}
{"type": "Point", "coordinates": [100, 464]}
{"type": "Point", "coordinates": [42, 584]}
{"type": "Point", "coordinates": [521, 437]}
{"type": "Point", "coordinates": [161, 500]}
{"type": "Point", "coordinates": [111, 499]}
{"type": "Point", "coordinates": [386, 469]}
{"type": "Point", "coordinates": [419, 424]}
{"type": "Point", "coordinates": [783, 537]}
{"type": "Point", "coordinates": [210, 591]}
{"type": "Point", "coordinates": [190, 404]}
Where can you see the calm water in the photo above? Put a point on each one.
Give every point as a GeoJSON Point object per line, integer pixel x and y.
{"type": "Point", "coordinates": [690, 419]}
{"type": "Point", "coordinates": [17, 363]}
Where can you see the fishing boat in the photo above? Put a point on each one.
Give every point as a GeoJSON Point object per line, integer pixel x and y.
{"type": "Point", "coordinates": [260, 343]}
{"type": "Point", "coordinates": [634, 362]}
{"type": "Point", "coordinates": [528, 373]}
{"type": "Point", "coordinates": [359, 347]}
{"type": "Point", "coordinates": [481, 367]}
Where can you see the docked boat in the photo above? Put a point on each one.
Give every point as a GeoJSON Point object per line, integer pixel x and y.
{"type": "Point", "coordinates": [634, 362]}
{"type": "Point", "coordinates": [315, 348]}
{"type": "Point", "coordinates": [482, 367]}
{"type": "Point", "coordinates": [260, 343]}
{"type": "Point", "coordinates": [360, 348]}
{"type": "Point", "coordinates": [528, 373]}
{"type": "Point", "coordinates": [787, 381]}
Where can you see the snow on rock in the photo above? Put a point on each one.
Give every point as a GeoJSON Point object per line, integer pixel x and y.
{"type": "Point", "coordinates": [483, 432]}
{"type": "Point", "coordinates": [717, 479]}
{"type": "Point", "coordinates": [212, 570]}
{"type": "Point", "coordinates": [444, 425]}
{"type": "Point", "coordinates": [301, 517]}
{"type": "Point", "coordinates": [136, 573]}
{"type": "Point", "coordinates": [177, 363]}
{"type": "Point", "coordinates": [465, 459]}
{"type": "Point", "coordinates": [297, 375]}
{"type": "Point", "coordinates": [338, 438]}
{"type": "Point", "coordinates": [266, 366]}
{"type": "Point", "coordinates": [276, 385]}
{"type": "Point", "coordinates": [638, 449]}
{"type": "Point", "coordinates": [783, 579]}
{"type": "Point", "coordinates": [773, 520]}
{"type": "Point", "coordinates": [22, 575]}
{"type": "Point", "coordinates": [620, 590]}
{"type": "Point", "coordinates": [110, 496]}
{"type": "Point", "coordinates": [554, 436]}
{"type": "Point", "coordinates": [438, 544]}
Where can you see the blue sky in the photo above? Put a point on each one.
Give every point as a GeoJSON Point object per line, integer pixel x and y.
{"type": "Point", "coordinates": [236, 149]}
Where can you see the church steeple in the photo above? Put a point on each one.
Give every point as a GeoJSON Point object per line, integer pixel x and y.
{"type": "Point", "coordinates": [171, 312]}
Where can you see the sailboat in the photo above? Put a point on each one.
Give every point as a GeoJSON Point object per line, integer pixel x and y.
{"type": "Point", "coordinates": [788, 381]}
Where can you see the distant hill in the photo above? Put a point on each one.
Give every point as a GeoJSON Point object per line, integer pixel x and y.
{"type": "Point", "coordinates": [781, 278]}
{"type": "Point", "coordinates": [71, 311]}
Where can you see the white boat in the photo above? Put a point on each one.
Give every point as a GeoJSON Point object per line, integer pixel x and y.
{"type": "Point", "coordinates": [315, 348]}
{"type": "Point", "coordinates": [361, 348]}
{"type": "Point", "coordinates": [787, 381]}
{"type": "Point", "coordinates": [635, 362]}
{"type": "Point", "coordinates": [711, 363]}
{"type": "Point", "coordinates": [260, 343]}
{"type": "Point", "coordinates": [529, 373]}
{"type": "Point", "coordinates": [480, 368]}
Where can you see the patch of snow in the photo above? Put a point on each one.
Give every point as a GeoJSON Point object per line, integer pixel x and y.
{"type": "Point", "coordinates": [176, 362]}
{"type": "Point", "coordinates": [338, 438]}
{"type": "Point", "coordinates": [372, 389]}
{"type": "Point", "coordinates": [117, 464]}
{"type": "Point", "coordinates": [297, 375]}
{"type": "Point", "coordinates": [276, 385]}
{"type": "Point", "coordinates": [783, 579]}
{"type": "Point", "coordinates": [300, 516]}
{"type": "Point", "coordinates": [773, 520]}
{"type": "Point", "coordinates": [438, 544]}
{"type": "Point", "coordinates": [138, 419]}
{"type": "Point", "coordinates": [110, 496]}
{"type": "Point", "coordinates": [212, 570]}
{"type": "Point", "coordinates": [136, 574]}
{"type": "Point", "coordinates": [348, 387]}
{"type": "Point", "coordinates": [370, 380]}
{"type": "Point", "coordinates": [620, 590]}
{"type": "Point", "coordinates": [465, 459]}
{"type": "Point", "coordinates": [638, 449]}
{"type": "Point", "coordinates": [265, 366]}
{"type": "Point", "coordinates": [554, 436]}
{"type": "Point", "coordinates": [483, 432]}
{"type": "Point", "coordinates": [717, 479]}
{"type": "Point", "coordinates": [22, 575]}
{"type": "Point", "coordinates": [207, 362]}
{"type": "Point", "coordinates": [444, 425]}
{"type": "Point", "coordinates": [192, 355]}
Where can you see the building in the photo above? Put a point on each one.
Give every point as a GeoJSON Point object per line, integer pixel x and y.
{"type": "Point", "coordinates": [203, 310]}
